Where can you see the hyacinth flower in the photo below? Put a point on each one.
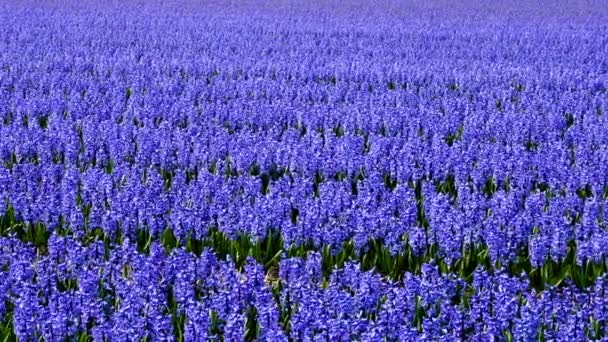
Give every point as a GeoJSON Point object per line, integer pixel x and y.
{"type": "Point", "coordinates": [318, 171]}
{"type": "Point", "coordinates": [178, 294]}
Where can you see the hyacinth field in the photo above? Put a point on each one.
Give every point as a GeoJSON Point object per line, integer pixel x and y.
{"type": "Point", "coordinates": [189, 170]}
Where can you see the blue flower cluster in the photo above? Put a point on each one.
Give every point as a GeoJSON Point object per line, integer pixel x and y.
{"type": "Point", "coordinates": [82, 291]}
{"type": "Point", "coordinates": [303, 171]}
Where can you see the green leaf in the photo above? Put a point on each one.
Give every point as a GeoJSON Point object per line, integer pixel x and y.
{"type": "Point", "coordinates": [84, 337]}
{"type": "Point", "coordinates": [562, 275]}
{"type": "Point", "coordinates": [274, 259]}
{"type": "Point", "coordinates": [168, 239]}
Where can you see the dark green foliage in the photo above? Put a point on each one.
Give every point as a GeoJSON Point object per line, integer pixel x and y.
{"type": "Point", "coordinates": [7, 334]}
{"type": "Point", "coordinates": [178, 319]}
{"type": "Point", "coordinates": [366, 145]}
{"type": "Point", "coordinates": [252, 328]}
{"type": "Point", "coordinates": [168, 240]}
{"type": "Point", "coordinates": [319, 178]}
{"type": "Point", "coordinates": [531, 145]}
{"type": "Point", "coordinates": [390, 182]}
{"type": "Point", "coordinates": [585, 192]}
{"type": "Point", "coordinates": [295, 213]}
{"type": "Point", "coordinates": [339, 131]}
{"type": "Point", "coordinates": [144, 240]}
{"type": "Point", "coordinates": [43, 121]}
{"type": "Point", "coordinates": [499, 105]}
{"type": "Point", "coordinates": [265, 178]}
{"type": "Point", "coordinates": [453, 137]}
{"type": "Point", "coordinates": [448, 187]}
{"type": "Point", "coordinates": [67, 285]}
{"type": "Point", "coordinates": [490, 187]}
{"type": "Point", "coordinates": [569, 119]}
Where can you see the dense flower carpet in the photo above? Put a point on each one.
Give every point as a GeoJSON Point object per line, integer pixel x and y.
{"type": "Point", "coordinates": [381, 170]}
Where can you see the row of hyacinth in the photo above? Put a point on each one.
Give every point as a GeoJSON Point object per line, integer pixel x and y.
{"type": "Point", "coordinates": [119, 294]}
{"type": "Point", "coordinates": [418, 215]}
{"type": "Point", "coordinates": [312, 170]}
